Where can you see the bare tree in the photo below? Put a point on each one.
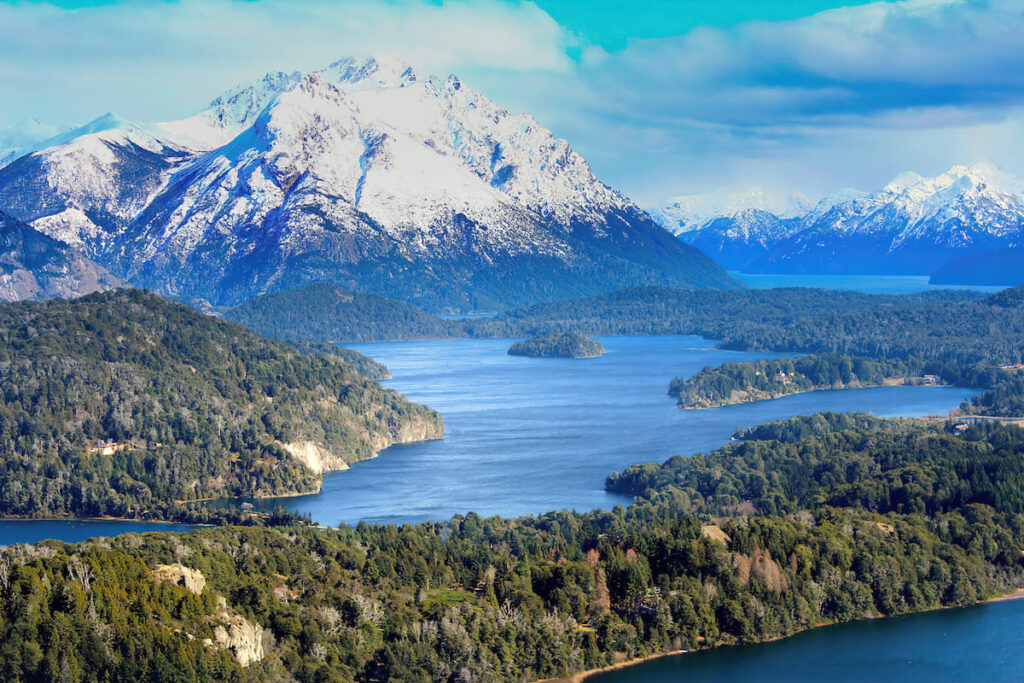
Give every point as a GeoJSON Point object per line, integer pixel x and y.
{"type": "Point", "coordinates": [81, 572]}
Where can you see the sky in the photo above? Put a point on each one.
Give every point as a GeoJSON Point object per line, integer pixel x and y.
{"type": "Point", "coordinates": [663, 98]}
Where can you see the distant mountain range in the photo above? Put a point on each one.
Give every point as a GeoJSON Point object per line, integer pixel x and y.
{"type": "Point", "coordinates": [362, 174]}
{"type": "Point", "coordinates": [960, 225]}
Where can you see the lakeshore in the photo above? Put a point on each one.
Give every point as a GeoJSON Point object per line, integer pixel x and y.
{"type": "Point", "coordinates": [583, 676]}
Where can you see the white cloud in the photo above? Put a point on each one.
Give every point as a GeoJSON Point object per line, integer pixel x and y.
{"type": "Point", "coordinates": [152, 59]}
{"type": "Point", "coordinates": [846, 97]}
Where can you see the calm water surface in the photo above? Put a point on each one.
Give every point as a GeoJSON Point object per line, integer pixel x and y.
{"type": "Point", "coordinates": [983, 644]}
{"type": "Point", "coordinates": [872, 284]}
{"type": "Point", "coordinates": [73, 531]}
{"type": "Point", "coordinates": [527, 435]}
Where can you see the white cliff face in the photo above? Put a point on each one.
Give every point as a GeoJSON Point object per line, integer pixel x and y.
{"type": "Point", "coordinates": [180, 575]}
{"type": "Point", "coordinates": [364, 174]}
{"type": "Point", "coordinates": [239, 636]}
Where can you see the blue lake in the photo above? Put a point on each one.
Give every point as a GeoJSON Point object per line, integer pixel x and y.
{"type": "Point", "coordinates": [872, 284]}
{"type": "Point", "coordinates": [73, 531]}
{"type": "Point", "coordinates": [982, 644]}
{"type": "Point", "coordinates": [528, 435]}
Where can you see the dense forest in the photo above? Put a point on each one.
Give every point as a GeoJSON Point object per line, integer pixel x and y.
{"type": "Point", "coordinates": [326, 312]}
{"type": "Point", "coordinates": [758, 380]}
{"type": "Point", "coordinates": [844, 460]}
{"type": "Point", "coordinates": [558, 345]}
{"type": "Point", "coordinates": [760, 539]}
{"type": "Point", "coordinates": [712, 314]}
{"type": "Point", "coordinates": [122, 403]}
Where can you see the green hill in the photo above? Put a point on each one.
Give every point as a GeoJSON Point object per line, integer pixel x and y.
{"type": "Point", "coordinates": [122, 403]}
{"type": "Point", "coordinates": [324, 311]}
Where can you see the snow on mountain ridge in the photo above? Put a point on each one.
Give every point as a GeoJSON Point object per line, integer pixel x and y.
{"type": "Point", "coordinates": [363, 174]}
{"type": "Point", "coordinates": [19, 138]}
{"type": "Point", "coordinates": [687, 213]}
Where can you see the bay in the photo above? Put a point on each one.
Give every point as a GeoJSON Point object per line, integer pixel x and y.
{"type": "Point", "coordinates": [527, 435]}
{"type": "Point", "coordinates": [981, 644]}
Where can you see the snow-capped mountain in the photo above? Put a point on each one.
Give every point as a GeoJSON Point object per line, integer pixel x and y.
{"type": "Point", "coordinates": [736, 240]}
{"type": "Point", "coordinates": [20, 138]}
{"type": "Point", "coordinates": [689, 213]}
{"type": "Point", "coordinates": [87, 184]}
{"type": "Point", "coordinates": [363, 174]}
{"type": "Point", "coordinates": [34, 266]}
{"type": "Point", "coordinates": [911, 226]}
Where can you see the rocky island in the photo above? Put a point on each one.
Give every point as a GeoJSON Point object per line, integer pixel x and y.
{"type": "Point", "coordinates": [561, 345]}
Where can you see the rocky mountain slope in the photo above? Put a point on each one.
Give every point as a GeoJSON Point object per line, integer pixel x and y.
{"type": "Point", "coordinates": [34, 266]}
{"type": "Point", "coordinates": [362, 174]}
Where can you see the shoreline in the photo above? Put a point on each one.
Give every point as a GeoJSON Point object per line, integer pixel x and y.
{"type": "Point", "coordinates": [133, 520]}
{"type": "Point", "coordinates": [582, 676]}
{"type": "Point", "coordinates": [726, 404]}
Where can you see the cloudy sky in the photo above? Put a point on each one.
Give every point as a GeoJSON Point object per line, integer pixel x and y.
{"type": "Point", "coordinates": [676, 97]}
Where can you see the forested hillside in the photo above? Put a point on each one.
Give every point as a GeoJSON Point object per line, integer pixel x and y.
{"type": "Point", "coordinates": [732, 383]}
{"type": "Point", "coordinates": [326, 312]}
{"type": "Point", "coordinates": [807, 522]}
{"type": "Point", "coordinates": [558, 345]}
{"type": "Point", "coordinates": [844, 460]}
{"type": "Point", "coordinates": [121, 403]}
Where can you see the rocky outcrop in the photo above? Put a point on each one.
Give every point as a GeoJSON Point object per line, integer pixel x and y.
{"type": "Point", "coordinates": [180, 575]}
{"type": "Point", "coordinates": [237, 635]}
{"type": "Point", "coordinates": [417, 429]}
{"type": "Point", "coordinates": [314, 457]}
{"type": "Point", "coordinates": [231, 631]}
{"type": "Point", "coordinates": [319, 459]}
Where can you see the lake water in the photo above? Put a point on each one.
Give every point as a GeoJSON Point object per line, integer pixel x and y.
{"type": "Point", "coordinates": [982, 644]}
{"type": "Point", "coordinates": [872, 284]}
{"type": "Point", "coordinates": [527, 435]}
{"type": "Point", "coordinates": [73, 531]}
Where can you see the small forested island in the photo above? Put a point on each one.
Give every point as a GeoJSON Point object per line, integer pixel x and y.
{"type": "Point", "coordinates": [558, 345]}
{"type": "Point", "coordinates": [733, 383]}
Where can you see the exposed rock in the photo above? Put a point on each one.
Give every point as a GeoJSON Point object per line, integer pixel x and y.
{"type": "Point", "coordinates": [715, 533]}
{"type": "Point", "coordinates": [316, 458]}
{"type": "Point", "coordinates": [180, 575]}
{"type": "Point", "coordinates": [240, 636]}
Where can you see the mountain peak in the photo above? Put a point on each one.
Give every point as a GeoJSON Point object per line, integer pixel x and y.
{"type": "Point", "coordinates": [687, 213]}
{"type": "Point", "coordinates": [956, 180]}
{"type": "Point", "coordinates": [353, 73]}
